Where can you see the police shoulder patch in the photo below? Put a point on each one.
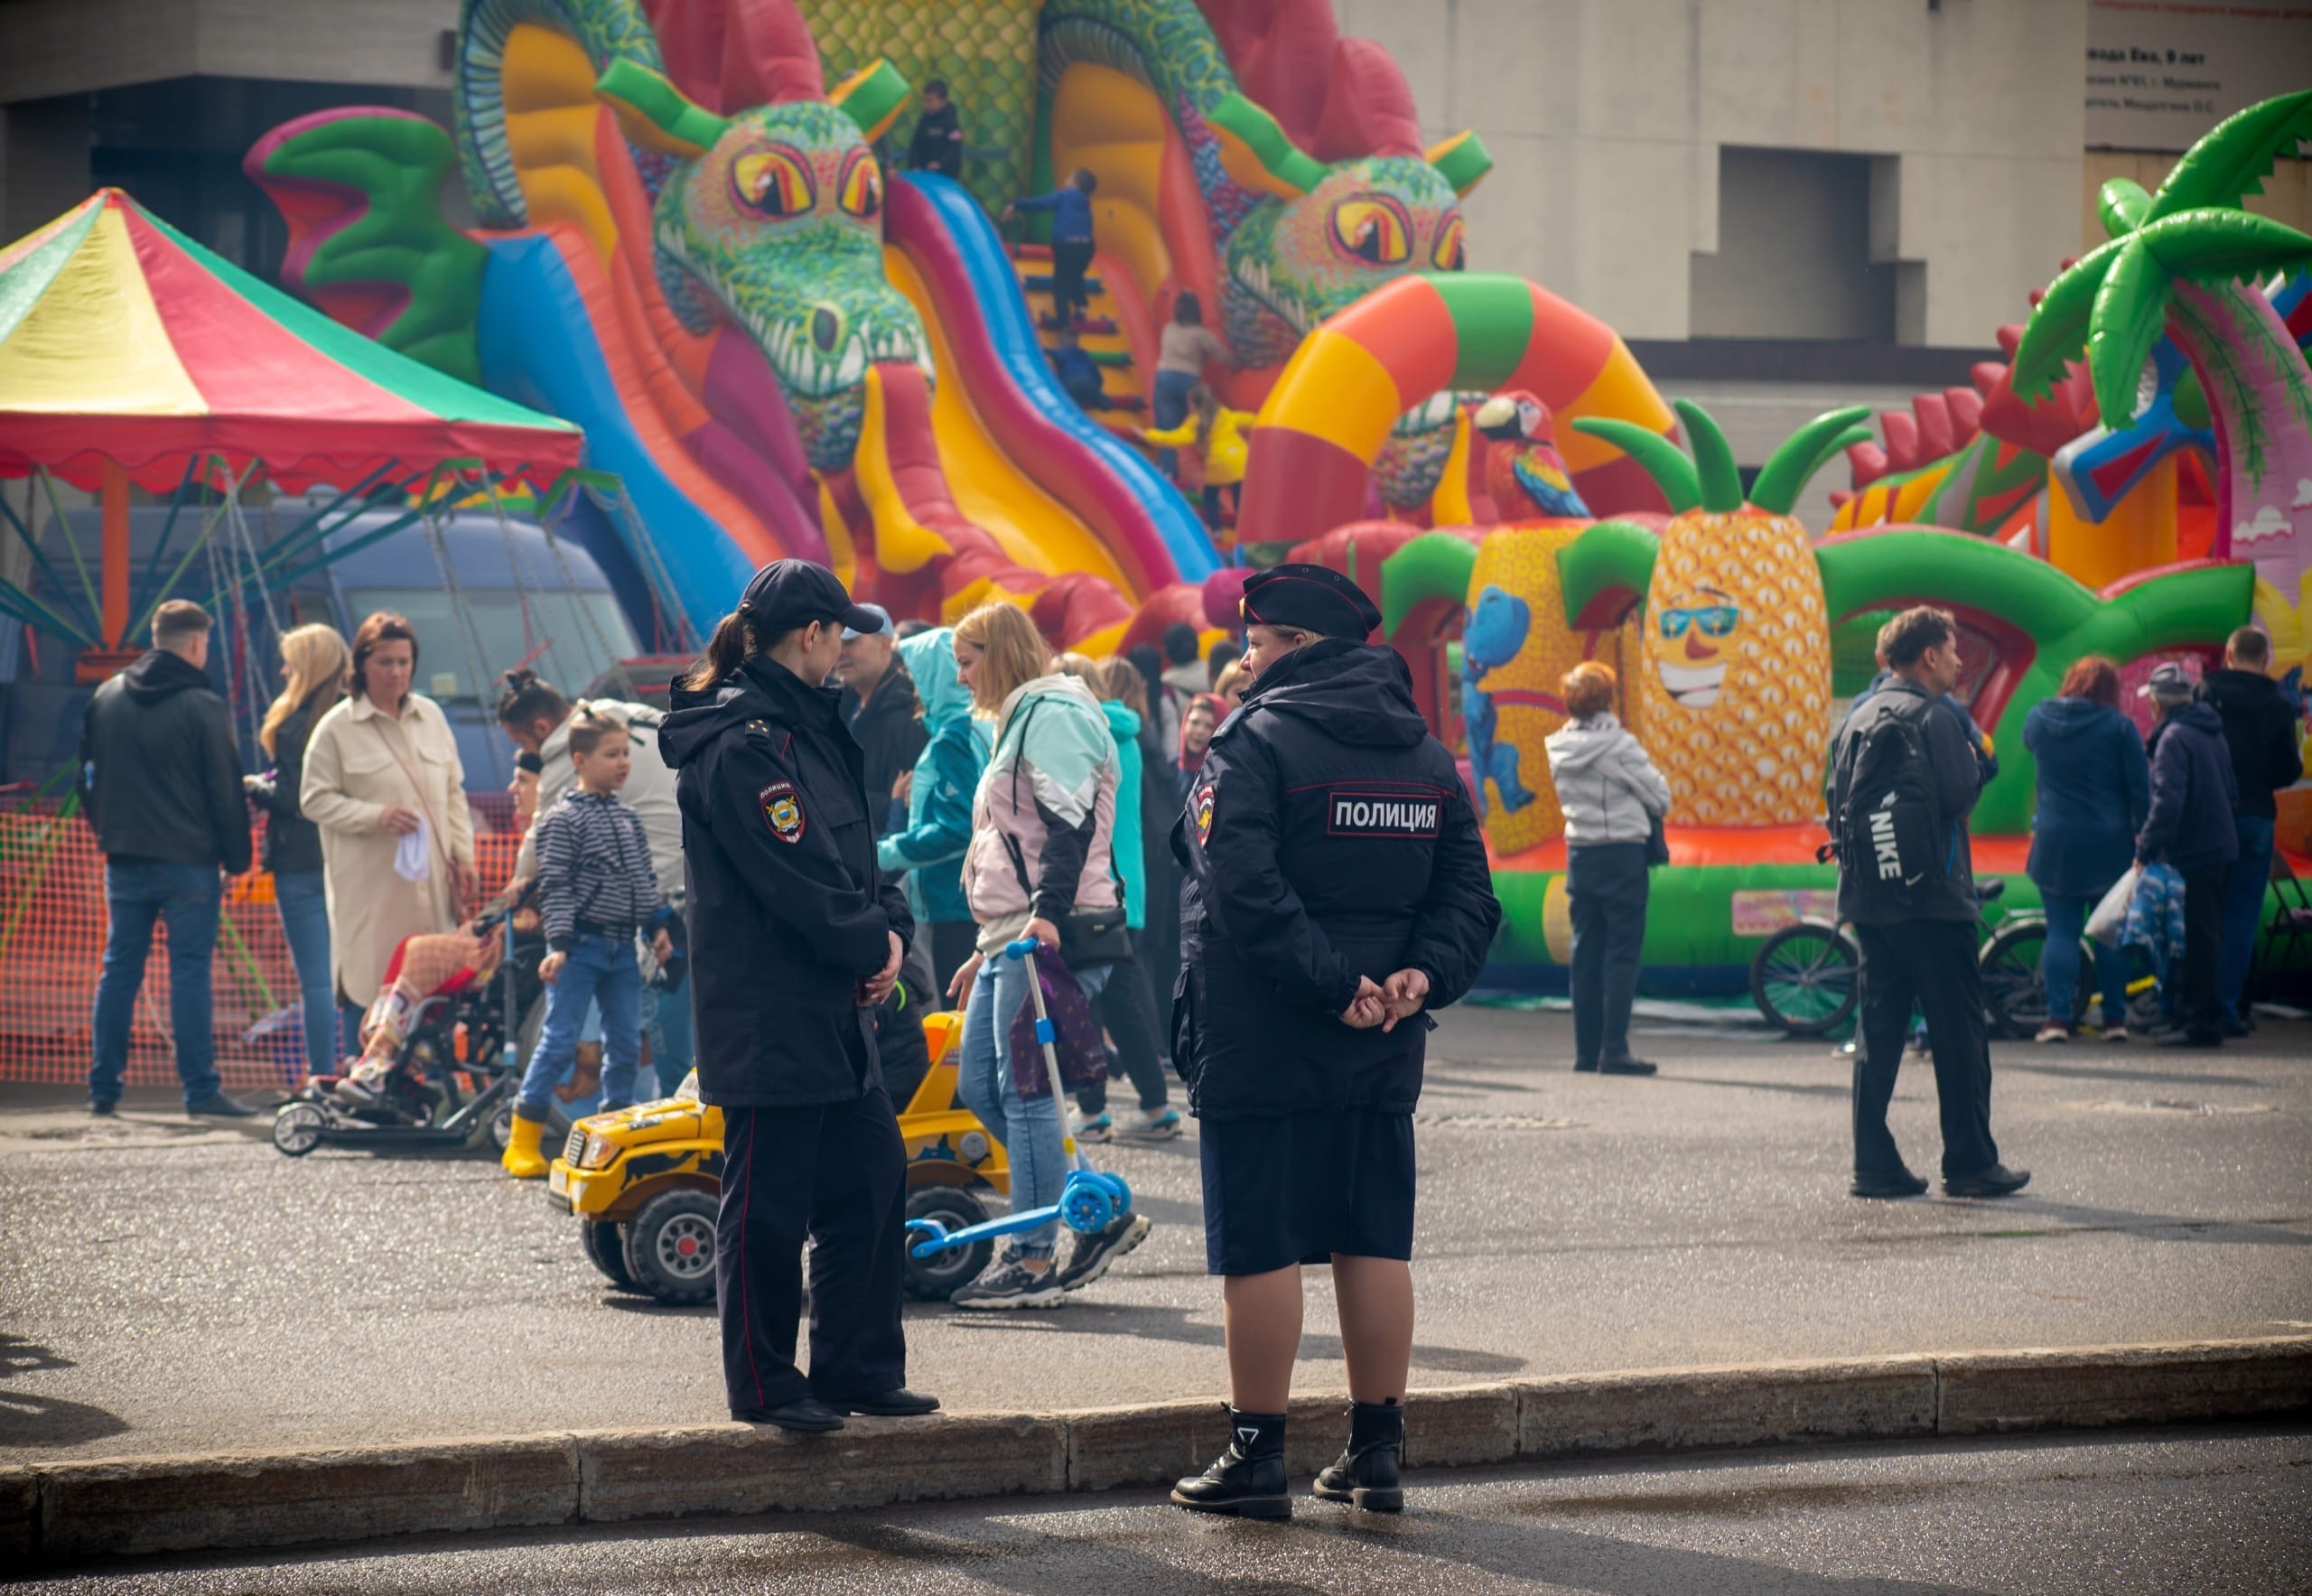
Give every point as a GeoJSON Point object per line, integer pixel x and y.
{"type": "Point", "coordinates": [1386, 810]}
{"type": "Point", "coordinates": [1204, 813]}
{"type": "Point", "coordinates": [782, 809]}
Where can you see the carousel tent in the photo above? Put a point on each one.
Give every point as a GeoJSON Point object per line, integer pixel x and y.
{"type": "Point", "coordinates": [123, 340]}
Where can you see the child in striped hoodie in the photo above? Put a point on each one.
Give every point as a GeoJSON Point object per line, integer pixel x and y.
{"type": "Point", "coordinates": [597, 892]}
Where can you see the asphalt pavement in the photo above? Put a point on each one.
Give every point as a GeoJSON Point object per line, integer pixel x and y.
{"type": "Point", "coordinates": [2208, 1512]}
{"type": "Point", "coordinates": [168, 1286]}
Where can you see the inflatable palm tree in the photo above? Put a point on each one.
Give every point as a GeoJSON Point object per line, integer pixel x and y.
{"type": "Point", "coordinates": [2188, 262]}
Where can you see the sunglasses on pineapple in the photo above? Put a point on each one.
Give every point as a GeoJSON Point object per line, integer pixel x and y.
{"type": "Point", "coordinates": [1715, 621]}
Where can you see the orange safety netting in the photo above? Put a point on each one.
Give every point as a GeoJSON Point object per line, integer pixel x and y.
{"type": "Point", "coordinates": [52, 929]}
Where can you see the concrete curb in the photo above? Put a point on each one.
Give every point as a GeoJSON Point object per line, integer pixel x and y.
{"type": "Point", "coordinates": [65, 1511]}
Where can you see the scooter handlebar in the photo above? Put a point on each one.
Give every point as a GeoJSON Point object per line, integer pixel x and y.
{"type": "Point", "coordinates": [1020, 948]}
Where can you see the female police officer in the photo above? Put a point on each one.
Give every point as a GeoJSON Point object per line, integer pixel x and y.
{"type": "Point", "coordinates": [794, 938]}
{"type": "Point", "coordinates": [1337, 886]}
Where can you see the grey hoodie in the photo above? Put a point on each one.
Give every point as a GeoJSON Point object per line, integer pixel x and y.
{"type": "Point", "coordinates": [1609, 790]}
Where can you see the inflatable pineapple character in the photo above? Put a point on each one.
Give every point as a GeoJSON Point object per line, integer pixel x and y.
{"type": "Point", "coordinates": [1733, 682]}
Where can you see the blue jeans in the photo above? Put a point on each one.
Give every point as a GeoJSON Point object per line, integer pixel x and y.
{"type": "Point", "coordinates": [599, 970]}
{"type": "Point", "coordinates": [666, 1016]}
{"type": "Point", "coordinates": [2059, 962]}
{"type": "Point", "coordinates": [303, 905]}
{"type": "Point", "coordinates": [137, 897]}
{"type": "Point", "coordinates": [1171, 409]}
{"type": "Point", "coordinates": [1028, 1129]}
{"type": "Point", "coordinates": [2243, 911]}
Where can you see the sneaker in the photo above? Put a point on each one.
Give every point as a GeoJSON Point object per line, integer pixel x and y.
{"type": "Point", "coordinates": [1159, 1125]}
{"type": "Point", "coordinates": [2115, 1034]}
{"type": "Point", "coordinates": [354, 1093]}
{"type": "Point", "coordinates": [1009, 1284]}
{"type": "Point", "coordinates": [1092, 1128]}
{"type": "Point", "coordinates": [2051, 1032]}
{"type": "Point", "coordinates": [217, 1105]}
{"type": "Point", "coordinates": [1093, 1254]}
{"type": "Point", "coordinates": [1998, 1180]}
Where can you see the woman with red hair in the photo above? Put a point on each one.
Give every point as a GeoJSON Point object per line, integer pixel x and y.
{"type": "Point", "coordinates": [2094, 791]}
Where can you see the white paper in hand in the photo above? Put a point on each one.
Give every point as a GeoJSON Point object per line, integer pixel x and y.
{"type": "Point", "coordinates": [414, 855]}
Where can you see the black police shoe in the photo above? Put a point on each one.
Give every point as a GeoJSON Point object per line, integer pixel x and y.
{"type": "Point", "coordinates": [898, 1403]}
{"type": "Point", "coordinates": [1247, 1480]}
{"type": "Point", "coordinates": [1365, 1475]}
{"type": "Point", "coordinates": [1998, 1180]}
{"type": "Point", "coordinates": [1625, 1065]}
{"type": "Point", "coordinates": [1895, 1183]}
{"type": "Point", "coordinates": [806, 1414]}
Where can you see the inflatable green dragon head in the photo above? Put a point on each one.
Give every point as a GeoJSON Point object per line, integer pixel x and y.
{"type": "Point", "coordinates": [774, 218]}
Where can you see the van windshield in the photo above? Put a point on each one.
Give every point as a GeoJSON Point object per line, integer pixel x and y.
{"type": "Point", "coordinates": [583, 634]}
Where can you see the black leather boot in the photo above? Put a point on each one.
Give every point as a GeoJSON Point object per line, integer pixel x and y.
{"type": "Point", "coordinates": [1248, 1479]}
{"type": "Point", "coordinates": [1365, 1475]}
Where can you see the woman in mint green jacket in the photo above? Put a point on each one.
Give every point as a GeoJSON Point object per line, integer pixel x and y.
{"type": "Point", "coordinates": [929, 847]}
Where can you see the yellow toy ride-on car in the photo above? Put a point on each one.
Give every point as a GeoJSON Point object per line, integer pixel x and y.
{"type": "Point", "coordinates": [645, 1183]}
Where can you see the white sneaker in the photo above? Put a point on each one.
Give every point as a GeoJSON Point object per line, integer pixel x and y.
{"type": "Point", "coordinates": [1090, 1127]}
{"type": "Point", "coordinates": [2051, 1032]}
{"type": "Point", "coordinates": [1160, 1125]}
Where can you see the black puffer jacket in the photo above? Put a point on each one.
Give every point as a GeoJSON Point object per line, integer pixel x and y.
{"type": "Point", "coordinates": [889, 729]}
{"type": "Point", "coordinates": [1328, 836]}
{"type": "Point", "coordinates": [787, 912]}
{"type": "Point", "coordinates": [2260, 729]}
{"type": "Point", "coordinates": [160, 771]}
{"type": "Point", "coordinates": [291, 842]}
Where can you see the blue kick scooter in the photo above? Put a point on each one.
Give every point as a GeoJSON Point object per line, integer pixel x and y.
{"type": "Point", "coordinates": [1089, 1202]}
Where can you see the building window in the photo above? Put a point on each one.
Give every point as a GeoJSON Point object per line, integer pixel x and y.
{"type": "Point", "coordinates": [1793, 257]}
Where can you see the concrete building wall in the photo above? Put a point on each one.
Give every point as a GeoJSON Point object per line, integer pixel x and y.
{"type": "Point", "coordinates": [1607, 119]}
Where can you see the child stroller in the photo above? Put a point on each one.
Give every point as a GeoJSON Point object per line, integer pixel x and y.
{"type": "Point", "coordinates": [442, 1065]}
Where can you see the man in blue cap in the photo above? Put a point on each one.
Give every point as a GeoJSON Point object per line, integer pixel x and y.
{"type": "Point", "coordinates": [1337, 890]}
{"type": "Point", "coordinates": [794, 939]}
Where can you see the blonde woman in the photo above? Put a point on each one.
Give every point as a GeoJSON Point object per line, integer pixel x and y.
{"type": "Point", "coordinates": [1043, 827]}
{"type": "Point", "coordinates": [384, 783]}
{"type": "Point", "coordinates": [314, 666]}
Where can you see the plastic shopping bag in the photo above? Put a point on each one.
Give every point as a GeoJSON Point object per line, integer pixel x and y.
{"type": "Point", "coordinates": [2110, 915]}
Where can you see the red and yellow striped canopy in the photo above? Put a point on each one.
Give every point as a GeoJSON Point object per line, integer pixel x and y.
{"type": "Point", "coordinates": [122, 339]}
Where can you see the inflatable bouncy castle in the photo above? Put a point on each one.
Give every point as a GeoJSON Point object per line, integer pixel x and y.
{"type": "Point", "coordinates": [691, 240]}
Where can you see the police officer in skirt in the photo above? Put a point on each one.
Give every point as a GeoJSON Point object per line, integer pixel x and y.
{"type": "Point", "coordinates": [794, 938]}
{"type": "Point", "coordinates": [1337, 890]}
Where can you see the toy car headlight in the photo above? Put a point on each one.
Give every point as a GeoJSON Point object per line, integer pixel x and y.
{"type": "Point", "coordinates": [599, 1153]}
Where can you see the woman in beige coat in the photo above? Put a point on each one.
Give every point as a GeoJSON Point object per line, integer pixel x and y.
{"type": "Point", "coordinates": [382, 769]}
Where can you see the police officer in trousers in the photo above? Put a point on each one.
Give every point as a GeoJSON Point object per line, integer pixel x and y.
{"type": "Point", "coordinates": [794, 938]}
{"type": "Point", "coordinates": [1337, 888]}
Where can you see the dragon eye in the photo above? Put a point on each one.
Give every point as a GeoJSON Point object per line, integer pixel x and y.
{"type": "Point", "coordinates": [775, 183]}
{"type": "Point", "coordinates": [1450, 256]}
{"type": "Point", "coordinates": [863, 186]}
{"type": "Point", "coordinates": [1372, 230]}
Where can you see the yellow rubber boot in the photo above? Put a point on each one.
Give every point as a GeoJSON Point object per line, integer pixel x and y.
{"type": "Point", "coordinates": [523, 1160]}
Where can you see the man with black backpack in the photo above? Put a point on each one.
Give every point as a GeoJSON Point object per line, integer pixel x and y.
{"type": "Point", "coordinates": [1903, 780]}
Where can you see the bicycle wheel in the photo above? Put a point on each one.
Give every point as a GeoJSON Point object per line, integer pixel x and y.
{"type": "Point", "coordinates": [2014, 997]}
{"type": "Point", "coordinates": [1802, 978]}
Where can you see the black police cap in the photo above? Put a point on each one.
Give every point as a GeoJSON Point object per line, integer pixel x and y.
{"type": "Point", "coordinates": [1309, 598]}
{"type": "Point", "coordinates": [789, 594]}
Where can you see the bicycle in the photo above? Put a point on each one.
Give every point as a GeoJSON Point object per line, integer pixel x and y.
{"type": "Point", "coordinates": [1805, 978]}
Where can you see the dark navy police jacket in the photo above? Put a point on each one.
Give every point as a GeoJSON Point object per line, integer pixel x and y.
{"type": "Point", "coordinates": [787, 912]}
{"type": "Point", "coordinates": [1328, 836]}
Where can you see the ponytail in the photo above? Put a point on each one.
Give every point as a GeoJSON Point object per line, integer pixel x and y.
{"type": "Point", "coordinates": [735, 641]}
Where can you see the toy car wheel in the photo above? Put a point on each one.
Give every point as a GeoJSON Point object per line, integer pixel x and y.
{"type": "Point", "coordinates": [297, 1128]}
{"type": "Point", "coordinates": [670, 1247]}
{"type": "Point", "coordinates": [936, 1278]}
{"type": "Point", "coordinates": [501, 1128]}
{"type": "Point", "coordinates": [605, 1248]}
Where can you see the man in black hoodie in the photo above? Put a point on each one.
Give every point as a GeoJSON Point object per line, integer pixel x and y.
{"type": "Point", "coordinates": [2260, 729]}
{"type": "Point", "coordinates": [160, 782]}
{"type": "Point", "coordinates": [1337, 890]}
{"type": "Point", "coordinates": [2192, 797]}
